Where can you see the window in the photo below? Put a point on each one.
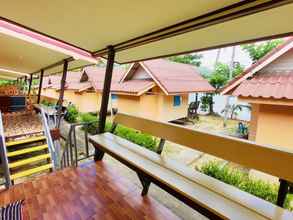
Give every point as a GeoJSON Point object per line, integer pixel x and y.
{"type": "Point", "coordinates": [176, 100]}
{"type": "Point", "coordinates": [114, 97]}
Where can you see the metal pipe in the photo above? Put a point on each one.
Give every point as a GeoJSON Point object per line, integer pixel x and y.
{"type": "Point", "coordinates": [61, 94]}
{"type": "Point", "coordinates": [75, 147]}
{"type": "Point", "coordinates": [40, 86]}
{"type": "Point", "coordinates": [30, 85]}
{"type": "Point", "coordinates": [86, 141]}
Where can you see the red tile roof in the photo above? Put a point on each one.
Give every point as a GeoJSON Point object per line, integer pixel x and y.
{"type": "Point", "coordinates": [72, 81]}
{"type": "Point", "coordinates": [172, 78]}
{"type": "Point", "coordinates": [249, 71]}
{"type": "Point", "coordinates": [133, 86]}
{"type": "Point", "coordinates": [97, 74]}
{"type": "Point", "coordinates": [277, 85]}
{"type": "Point", "coordinates": [175, 78]}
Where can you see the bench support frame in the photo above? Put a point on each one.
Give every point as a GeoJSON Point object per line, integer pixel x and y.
{"type": "Point", "coordinates": [283, 190]}
{"type": "Point", "coordinates": [145, 182]}
{"type": "Point", "coordinates": [201, 209]}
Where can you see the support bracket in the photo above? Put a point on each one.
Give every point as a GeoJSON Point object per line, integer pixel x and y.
{"type": "Point", "coordinates": [145, 182]}
{"type": "Point", "coordinates": [283, 190]}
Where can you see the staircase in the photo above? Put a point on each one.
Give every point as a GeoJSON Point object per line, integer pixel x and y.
{"type": "Point", "coordinates": [28, 156]}
{"type": "Point", "coordinates": [24, 147]}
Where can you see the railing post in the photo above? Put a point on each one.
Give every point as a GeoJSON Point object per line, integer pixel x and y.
{"type": "Point", "coordinates": [283, 190]}
{"type": "Point", "coordinates": [3, 155]}
{"type": "Point", "coordinates": [161, 146]}
{"type": "Point", "coordinates": [40, 86]}
{"type": "Point", "coordinates": [61, 94]}
{"type": "Point", "coordinates": [30, 85]}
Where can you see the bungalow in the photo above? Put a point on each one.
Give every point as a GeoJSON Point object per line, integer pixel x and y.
{"type": "Point", "coordinates": [268, 86]}
{"type": "Point", "coordinates": [156, 89]}
{"type": "Point", "coordinates": [82, 88]}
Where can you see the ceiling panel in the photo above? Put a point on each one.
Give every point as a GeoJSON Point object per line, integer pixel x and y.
{"type": "Point", "coordinates": [93, 24]}
{"type": "Point", "coordinates": [267, 23]}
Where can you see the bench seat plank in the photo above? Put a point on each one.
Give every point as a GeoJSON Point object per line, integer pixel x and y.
{"type": "Point", "coordinates": [222, 199]}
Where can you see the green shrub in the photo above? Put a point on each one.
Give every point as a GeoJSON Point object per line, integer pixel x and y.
{"type": "Point", "coordinates": [47, 103]}
{"type": "Point", "coordinates": [241, 180]}
{"type": "Point", "coordinates": [88, 117]}
{"type": "Point", "coordinates": [132, 135]}
{"type": "Point", "coordinates": [71, 114]}
{"type": "Point", "coordinates": [137, 137]}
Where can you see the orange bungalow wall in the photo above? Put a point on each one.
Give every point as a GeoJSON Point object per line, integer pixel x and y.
{"type": "Point", "coordinates": [271, 122]}
{"type": "Point", "coordinates": [155, 105]}
{"type": "Point", "coordinates": [272, 119]}
{"type": "Point", "coordinates": [87, 101]}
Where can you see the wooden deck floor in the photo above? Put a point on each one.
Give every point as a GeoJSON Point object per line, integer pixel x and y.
{"type": "Point", "coordinates": [92, 191]}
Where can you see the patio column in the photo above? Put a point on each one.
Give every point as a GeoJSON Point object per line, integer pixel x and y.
{"type": "Point", "coordinates": [106, 89]}
{"type": "Point", "coordinates": [40, 86]}
{"type": "Point", "coordinates": [30, 85]}
{"type": "Point", "coordinates": [105, 97]}
{"type": "Point", "coordinates": [61, 94]}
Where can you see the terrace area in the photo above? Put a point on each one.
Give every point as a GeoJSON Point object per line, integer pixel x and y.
{"type": "Point", "coordinates": [91, 191]}
{"type": "Point", "coordinates": [42, 167]}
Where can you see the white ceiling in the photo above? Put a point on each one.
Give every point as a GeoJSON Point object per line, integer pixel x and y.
{"type": "Point", "coordinates": [93, 25]}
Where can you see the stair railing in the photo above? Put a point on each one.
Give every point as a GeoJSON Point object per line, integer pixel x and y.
{"type": "Point", "coordinates": [70, 156]}
{"type": "Point", "coordinates": [51, 146]}
{"type": "Point", "coordinates": [3, 154]}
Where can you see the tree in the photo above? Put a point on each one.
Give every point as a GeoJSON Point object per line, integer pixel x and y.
{"type": "Point", "coordinates": [221, 74]}
{"type": "Point", "coordinates": [257, 51]}
{"type": "Point", "coordinates": [218, 79]}
{"type": "Point", "coordinates": [193, 59]}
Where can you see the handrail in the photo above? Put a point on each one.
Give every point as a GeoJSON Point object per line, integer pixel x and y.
{"type": "Point", "coordinates": [3, 154]}
{"type": "Point", "coordinates": [49, 138]}
{"type": "Point", "coordinates": [70, 154]}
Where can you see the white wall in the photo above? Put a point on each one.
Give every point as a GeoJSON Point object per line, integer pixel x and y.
{"type": "Point", "coordinates": [220, 102]}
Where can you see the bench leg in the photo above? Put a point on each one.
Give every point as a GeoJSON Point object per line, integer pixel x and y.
{"type": "Point", "coordinates": [99, 154]}
{"type": "Point", "coordinates": [145, 182]}
{"type": "Point", "coordinates": [283, 190]}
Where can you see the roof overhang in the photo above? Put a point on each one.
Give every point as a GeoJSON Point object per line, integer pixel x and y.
{"type": "Point", "coordinates": [41, 35]}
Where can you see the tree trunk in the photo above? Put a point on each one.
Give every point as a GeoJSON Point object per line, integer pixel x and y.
{"type": "Point", "coordinates": [211, 105]}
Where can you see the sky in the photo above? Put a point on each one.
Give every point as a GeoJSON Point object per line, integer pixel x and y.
{"type": "Point", "coordinates": [209, 57]}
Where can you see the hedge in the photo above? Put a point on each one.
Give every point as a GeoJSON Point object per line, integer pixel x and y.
{"type": "Point", "coordinates": [71, 114]}
{"type": "Point", "coordinates": [130, 134]}
{"type": "Point", "coordinates": [241, 180]}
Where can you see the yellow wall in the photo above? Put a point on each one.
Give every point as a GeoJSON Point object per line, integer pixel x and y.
{"type": "Point", "coordinates": [85, 101]}
{"type": "Point", "coordinates": [253, 121]}
{"type": "Point", "coordinates": [156, 106]}
{"type": "Point", "coordinates": [275, 126]}
{"type": "Point", "coordinates": [272, 124]}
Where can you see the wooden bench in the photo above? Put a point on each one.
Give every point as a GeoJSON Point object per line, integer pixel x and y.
{"type": "Point", "coordinates": [210, 197]}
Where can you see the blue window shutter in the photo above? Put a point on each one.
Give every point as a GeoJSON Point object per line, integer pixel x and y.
{"type": "Point", "coordinates": [114, 97]}
{"type": "Point", "coordinates": [176, 100]}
